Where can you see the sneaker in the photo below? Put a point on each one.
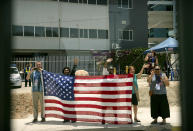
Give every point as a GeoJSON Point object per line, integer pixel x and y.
{"type": "Point", "coordinates": [34, 121]}
{"type": "Point", "coordinates": [66, 121]}
{"type": "Point", "coordinates": [43, 120]}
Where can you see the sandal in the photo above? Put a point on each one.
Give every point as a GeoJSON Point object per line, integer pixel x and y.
{"type": "Point", "coordinates": [136, 120]}
{"type": "Point", "coordinates": [162, 123]}
{"type": "Point", "coordinates": [154, 122]}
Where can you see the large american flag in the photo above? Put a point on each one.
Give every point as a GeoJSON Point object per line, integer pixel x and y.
{"type": "Point", "coordinates": [93, 98]}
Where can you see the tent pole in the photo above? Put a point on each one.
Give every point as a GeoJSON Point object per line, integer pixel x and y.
{"type": "Point", "coordinates": [167, 62]}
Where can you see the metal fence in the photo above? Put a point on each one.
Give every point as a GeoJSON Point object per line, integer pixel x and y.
{"type": "Point", "coordinates": [56, 63]}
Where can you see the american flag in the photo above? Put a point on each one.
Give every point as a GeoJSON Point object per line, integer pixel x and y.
{"type": "Point", "coordinates": [96, 98]}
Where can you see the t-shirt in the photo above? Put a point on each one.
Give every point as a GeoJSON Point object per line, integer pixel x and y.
{"type": "Point", "coordinates": [135, 83]}
{"type": "Point", "coordinates": [157, 86]}
{"type": "Point", "coordinates": [36, 81]}
{"type": "Point", "coordinates": [105, 71]}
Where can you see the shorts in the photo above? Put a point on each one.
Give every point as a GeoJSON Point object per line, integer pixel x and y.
{"type": "Point", "coordinates": [134, 99]}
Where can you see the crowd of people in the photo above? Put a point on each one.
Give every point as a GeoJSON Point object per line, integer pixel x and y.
{"type": "Point", "coordinates": [156, 79]}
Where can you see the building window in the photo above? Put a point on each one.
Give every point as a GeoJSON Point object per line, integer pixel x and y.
{"type": "Point", "coordinates": [40, 31]}
{"type": "Point", "coordinates": [63, 0]}
{"type": "Point", "coordinates": [83, 1]}
{"type": "Point", "coordinates": [74, 33]}
{"type": "Point", "coordinates": [83, 33]}
{"type": "Point", "coordinates": [17, 30]}
{"type": "Point", "coordinates": [101, 2]}
{"type": "Point", "coordinates": [159, 7]}
{"type": "Point", "coordinates": [91, 1]}
{"type": "Point", "coordinates": [158, 32]}
{"type": "Point", "coordinates": [125, 4]}
{"type": "Point", "coordinates": [126, 35]}
{"type": "Point", "coordinates": [48, 32]}
{"type": "Point", "coordinates": [55, 32]}
{"type": "Point", "coordinates": [64, 32]}
{"type": "Point", "coordinates": [28, 30]}
{"type": "Point", "coordinates": [92, 33]}
{"type": "Point", "coordinates": [73, 1]}
{"type": "Point", "coordinates": [128, 4]}
{"type": "Point", "coordinates": [103, 34]}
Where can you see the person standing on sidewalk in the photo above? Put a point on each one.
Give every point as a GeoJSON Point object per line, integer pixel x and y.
{"type": "Point", "coordinates": [68, 72]}
{"type": "Point", "coordinates": [27, 70]}
{"type": "Point", "coordinates": [158, 101]}
{"type": "Point", "coordinates": [135, 93]}
{"type": "Point", "coordinates": [37, 90]}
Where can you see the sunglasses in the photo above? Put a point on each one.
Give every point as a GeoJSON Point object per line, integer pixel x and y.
{"type": "Point", "coordinates": [157, 69]}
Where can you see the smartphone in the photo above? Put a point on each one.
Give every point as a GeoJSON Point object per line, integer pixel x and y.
{"type": "Point", "coordinates": [158, 79]}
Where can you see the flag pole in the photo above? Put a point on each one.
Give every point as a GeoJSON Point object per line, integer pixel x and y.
{"type": "Point", "coordinates": [43, 91]}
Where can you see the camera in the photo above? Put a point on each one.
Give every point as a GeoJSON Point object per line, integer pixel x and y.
{"type": "Point", "coordinates": [158, 79]}
{"type": "Point", "coordinates": [35, 68]}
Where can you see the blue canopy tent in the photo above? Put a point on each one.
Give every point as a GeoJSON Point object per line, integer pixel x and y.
{"type": "Point", "coordinates": [168, 45]}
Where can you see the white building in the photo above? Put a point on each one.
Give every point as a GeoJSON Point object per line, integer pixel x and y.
{"type": "Point", "coordinates": [75, 27]}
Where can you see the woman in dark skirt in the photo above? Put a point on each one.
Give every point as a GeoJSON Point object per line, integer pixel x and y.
{"type": "Point", "coordinates": [158, 94]}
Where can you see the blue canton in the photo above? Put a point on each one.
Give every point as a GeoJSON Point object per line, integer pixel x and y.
{"type": "Point", "coordinates": [58, 85]}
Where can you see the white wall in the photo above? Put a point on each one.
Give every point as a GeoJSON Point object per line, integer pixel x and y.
{"type": "Point", "coordinates": [46, 13]}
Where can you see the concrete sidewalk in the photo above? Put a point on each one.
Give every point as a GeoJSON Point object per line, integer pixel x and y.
{"type": "Point", "coordinates": [52, 124]}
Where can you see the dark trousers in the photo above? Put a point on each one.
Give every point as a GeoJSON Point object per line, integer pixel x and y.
{"type": "Point", "coordinates": [159, 106]}
{"type": "Point", "coordinates": [27, 80]}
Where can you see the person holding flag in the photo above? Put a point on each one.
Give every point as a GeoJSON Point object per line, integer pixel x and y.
{"type": "Point", "coordinates": [135, 93]}
{"type": "Point", "coordinates": [66, 71]}
{"type": "Point", "coordinates": [37, 90]}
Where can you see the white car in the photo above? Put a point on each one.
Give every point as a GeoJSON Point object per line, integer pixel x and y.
{"type": "Point", "coordinates": [15, 78]}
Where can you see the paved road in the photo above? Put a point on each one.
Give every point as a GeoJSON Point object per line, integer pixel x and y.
{"type": "Point", "coordinates": [53, 124]}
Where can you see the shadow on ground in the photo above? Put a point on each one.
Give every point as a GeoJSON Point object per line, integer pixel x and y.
{"type": "Point", "coordinates": [108, 127]}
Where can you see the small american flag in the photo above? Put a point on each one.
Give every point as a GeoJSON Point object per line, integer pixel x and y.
{"type": "Point", "coordinates": [96, 98]}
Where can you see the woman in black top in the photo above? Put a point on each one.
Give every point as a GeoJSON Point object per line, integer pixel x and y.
{"type": "Point", "coordinates": [67, 71]}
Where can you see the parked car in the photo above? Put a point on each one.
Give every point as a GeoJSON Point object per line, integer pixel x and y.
{"type": "Point", "coordinates": [15, 78]}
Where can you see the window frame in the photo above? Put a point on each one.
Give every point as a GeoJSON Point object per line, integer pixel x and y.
{"type": "Point", "coordinates": [106, 33]}
{"type": "Point", "coordinates": [18, 26]}
{"type": "Point", "coordinates": [93, 37]}
{"type": "Point", "coordinates": [77, 32]}
{"type": "Point", "coordinates": [51, 31]}
{"type": "Point", "coordinates": [129, 30]}
{"type": "Point", "coordinates": [43, 29]}
{"type": "Point", "coordinates": [128, 6]}
{"type": "Point", "coordinates": [68, 32]}
{"type": "Point", "coordinates": [92, 4]}
{"type": "Point", "coordinates": [33, 31]}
